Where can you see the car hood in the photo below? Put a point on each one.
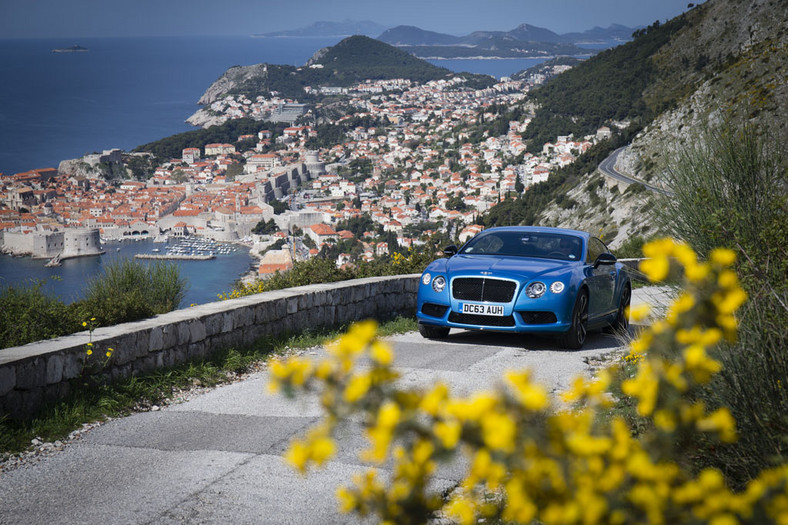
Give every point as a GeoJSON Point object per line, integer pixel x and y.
{"type": "Point", "coordinates": [525, 268]}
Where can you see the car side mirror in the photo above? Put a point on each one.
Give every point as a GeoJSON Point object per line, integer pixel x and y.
{"type": "Point", "coordinates": [450, 251]}
{"type": "Point", "coordinates": [605, 258]}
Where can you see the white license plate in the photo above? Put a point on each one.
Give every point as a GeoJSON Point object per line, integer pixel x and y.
{"type": "Point", "coordinates": [482, 309]}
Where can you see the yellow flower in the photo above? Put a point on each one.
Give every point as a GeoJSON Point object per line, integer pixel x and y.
{"type": "Point", "coordinates": [640, 312]}
{"type": "Point", "coordinates": [381, 353]}
{"type": "Point", "coordinates": [720, 421]}
{"type": "Point", "coordinates": [90, 352]}
{"type": "Point", "coordinates": [722, 256]}
{"type": "Point", "coordinates": [357, 387]}
{"type": "Point", "coordinates": [655, 269]}
{"type": "Point", "coordinates": [660, 247]}
{"type": "Point", "coordinates": [699, 364]}
{"type": "Point", "coordinates": [448, 432]}
{"type": "Point", "coordinates": [498, 431]}
{"type": "Point", "coordinates": [84, 323]}
{"type": "Point", "coordinates": [531, 396]}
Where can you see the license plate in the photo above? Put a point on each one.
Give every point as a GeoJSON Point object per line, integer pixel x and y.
{"type": "Point", "coordinates": [482, 309]}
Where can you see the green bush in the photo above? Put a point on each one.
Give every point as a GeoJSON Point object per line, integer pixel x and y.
{"type": "Point", "coordinates": [128, 290]}
{"type": "Point", "coordinates": [28, 314]}
{"type": "Point", "coordinates": [731, 190]}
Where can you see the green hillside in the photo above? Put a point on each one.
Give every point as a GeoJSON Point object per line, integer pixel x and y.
{"type": "Point", "coordinates": [352, 60]}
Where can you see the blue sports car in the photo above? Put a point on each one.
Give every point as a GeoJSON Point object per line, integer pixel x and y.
{"type": "Point", "coordinates": [549, 281]}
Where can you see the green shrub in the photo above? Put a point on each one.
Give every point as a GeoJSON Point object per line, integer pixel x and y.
{"type": "Point", "coordinates": [28, 314]}
{"type": "Point", "coordinates": [128, 290]}
{"type": "Point", "coordinates": [731, 190]}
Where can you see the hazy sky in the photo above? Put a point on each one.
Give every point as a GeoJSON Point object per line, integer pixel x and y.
{"type": "Point", "coordinates": [90, 18]}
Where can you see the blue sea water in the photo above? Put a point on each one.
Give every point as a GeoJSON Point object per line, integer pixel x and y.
{"type": "Point", "coordinates": [205, 279]}
{"type": "Point", "coordinates": [122, 93]}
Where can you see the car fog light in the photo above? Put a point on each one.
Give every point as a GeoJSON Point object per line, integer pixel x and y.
{"type": "Point", "coordinates": [426, 278]}
{"type": "Point", "coordinates": [439, 283]}
{"type": "Point", "coordinates": [535, 290]}
{"type": "Point", "coordinates": [557, 287]}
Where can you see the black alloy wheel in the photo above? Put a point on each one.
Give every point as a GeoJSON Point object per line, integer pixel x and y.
{"type": "Point", "coordinates": [574, 338]}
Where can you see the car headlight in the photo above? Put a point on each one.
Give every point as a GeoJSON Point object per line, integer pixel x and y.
{"type": "Point", "coordinates": [426, 278]}
{"type": "Point", "coordinates": [535, 290]}
{"type": "Point", "coordinates": [557, 287]}
{"type": "Point", "coordinates": [439, 283]}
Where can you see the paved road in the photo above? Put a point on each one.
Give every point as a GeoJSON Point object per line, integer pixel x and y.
{"type": "Point", "coordinates": [217, 458]}
{"type": "Point", "coordinates": [607, 167]}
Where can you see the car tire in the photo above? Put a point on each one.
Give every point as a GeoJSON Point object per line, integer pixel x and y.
{"type": "Point", "coordinates": [433, 332]}
{"type": "Point", "coordinates": [574, 338]}
{"type": "Point", "coordinates": [621, 323]}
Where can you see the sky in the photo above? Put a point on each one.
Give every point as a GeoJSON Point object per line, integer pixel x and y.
{"type": "Point", "coordinates": [106, 18]}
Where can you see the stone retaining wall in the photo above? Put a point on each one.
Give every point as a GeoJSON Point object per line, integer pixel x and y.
{"type": "Point", "coordinates": [36, 373]}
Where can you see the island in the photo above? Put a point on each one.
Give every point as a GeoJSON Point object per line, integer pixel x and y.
{"type": "Point", "coordinates": [73, 49]}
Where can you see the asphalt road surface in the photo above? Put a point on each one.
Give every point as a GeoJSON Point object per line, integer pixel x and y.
{"type": "Point", "coordinates": [217, 457]}
{"type": "Point", "coordinates": [607, 167]}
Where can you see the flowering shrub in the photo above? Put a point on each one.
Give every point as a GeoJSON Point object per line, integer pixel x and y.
{"type": "Point", "coordinates": [529, 459]}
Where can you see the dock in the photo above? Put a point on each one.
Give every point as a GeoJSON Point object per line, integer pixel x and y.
{"type": "Point", "coordinates": [174, 257]}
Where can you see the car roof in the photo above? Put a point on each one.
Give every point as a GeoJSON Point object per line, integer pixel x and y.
{"type": "Point", "coordinates": [540, 229]}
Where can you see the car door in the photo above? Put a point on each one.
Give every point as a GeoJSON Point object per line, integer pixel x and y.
{"type": "Point", "coordinates": [601, 281]}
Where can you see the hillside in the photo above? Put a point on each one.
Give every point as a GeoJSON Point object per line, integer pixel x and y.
{"type": "Point", "coordinates": [352, 60]}
{"type": "Point", "coordinates": [718, 61]}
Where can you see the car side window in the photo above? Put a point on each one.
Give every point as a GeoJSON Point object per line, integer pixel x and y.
{"type": "Point", "coordinates": [595, 249]}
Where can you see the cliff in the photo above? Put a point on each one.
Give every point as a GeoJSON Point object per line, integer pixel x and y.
{"type": "Point", "coordinates": [231, 79]}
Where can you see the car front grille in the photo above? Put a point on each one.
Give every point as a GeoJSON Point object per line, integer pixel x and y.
{"type": "Point", "coordinates": [538, 317]}
{"type": "Point", "coordinates": [433, 310]}
{"type": "Point", "coordinates": [481, 289]}
{"type": "Point", "coordinates": [481, 320]}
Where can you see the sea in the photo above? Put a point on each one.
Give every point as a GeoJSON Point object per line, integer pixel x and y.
{"type": "Point", "coordinates": [124, 92]}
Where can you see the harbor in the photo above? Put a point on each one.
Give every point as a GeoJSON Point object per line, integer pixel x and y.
{"type": "Point", "coordinates": [175, 257]}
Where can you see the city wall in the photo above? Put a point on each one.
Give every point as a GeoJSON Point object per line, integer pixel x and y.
{"type": "Point", "coordinates": [37, 373]}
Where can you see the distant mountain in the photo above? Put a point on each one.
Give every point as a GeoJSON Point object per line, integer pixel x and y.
{"type": "Point", "coordinates": [602, 34]}
{"type": "Point", "coordinates": [414, 36]}
{"type": "Point", "coordinates": [346, 28]}
{"type": "Point", "coordinates": [529, 33]}
{"type": "Point", "coordinates": [523, 41]}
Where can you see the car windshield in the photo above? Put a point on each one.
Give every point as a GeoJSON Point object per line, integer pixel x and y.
{"type": "Point", "coordinates": [525, 244]}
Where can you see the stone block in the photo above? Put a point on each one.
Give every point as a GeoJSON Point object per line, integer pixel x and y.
{"type": "Point", "coordinates": [122, 355]}
{"type": "Point", "coordinates": [170, 334]}
{"type": "Point", "coordinates": [292, 305]}
{"type": "Point", "coordinates": [156, 339]}
{"type": "Point", "coordinates": [119, 373]}
{"type": "Point", "coordinates": [213, 324]}
{"type": "Point", "coordinates": [31, 374]}
{"type": "Point", "coordinates": [72, 365]}
{"type": "Point", "coordinates": [7, 379]}
{"type": "Point", "coordinates": [54, 369]}
{"type": "Point", "coordinates": [197, 329]}
{"type": "Point", "coordinates": [142, 343]}
{"type": "Point", "coordinates": [184, 333]}
{"type": "Point", "coordinates": [227, 322]}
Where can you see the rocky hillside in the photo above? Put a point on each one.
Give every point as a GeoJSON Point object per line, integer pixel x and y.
{"type": "Point", "coordinates": [725, 61]}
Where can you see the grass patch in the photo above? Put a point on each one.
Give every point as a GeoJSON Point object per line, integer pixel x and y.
{"type": "Point", "coordinates": [90, 402]}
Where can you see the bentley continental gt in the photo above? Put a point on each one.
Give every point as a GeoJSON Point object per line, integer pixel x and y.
{"type": "Point", "coordinates": [549, 281]}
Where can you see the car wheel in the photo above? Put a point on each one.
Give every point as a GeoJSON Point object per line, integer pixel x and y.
{"type": "Point", "coordinates": [576, 336]}
{"type": "Point", "coordinates": [621, 323]}
{"type": "Point", "coordinates": [433, 332]}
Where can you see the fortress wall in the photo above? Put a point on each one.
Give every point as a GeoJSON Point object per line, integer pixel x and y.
{"type": "Point", "coordinates": [37, 373]}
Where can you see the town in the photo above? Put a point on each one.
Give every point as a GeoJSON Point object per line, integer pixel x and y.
{"type": "Point", "coordinates": [413, 174]}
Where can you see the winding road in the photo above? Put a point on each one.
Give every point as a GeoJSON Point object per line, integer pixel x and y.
{"type": "Point", "coordinates": [607, 167]}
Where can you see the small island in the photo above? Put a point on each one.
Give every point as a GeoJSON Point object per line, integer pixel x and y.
{"type": "Point", "coordinates": [73, 49]}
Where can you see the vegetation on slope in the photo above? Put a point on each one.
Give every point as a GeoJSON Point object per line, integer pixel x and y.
{"type": "Point", "coordinates": [731, 190]}
{"type": "Point", "coordinates": [172, 147]}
